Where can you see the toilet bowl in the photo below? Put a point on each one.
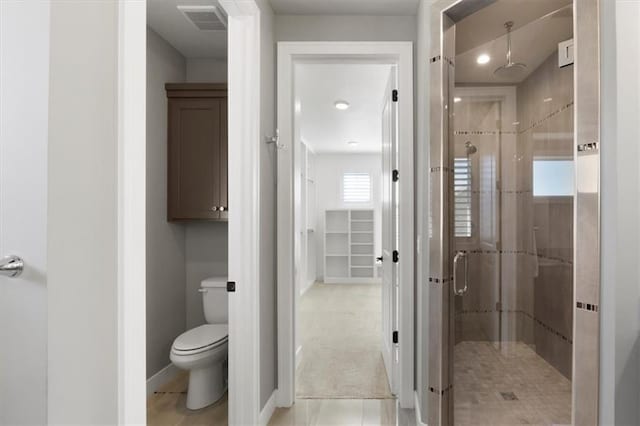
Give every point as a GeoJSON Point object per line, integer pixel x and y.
{"type": "Point", "coordinates": [203, 352]}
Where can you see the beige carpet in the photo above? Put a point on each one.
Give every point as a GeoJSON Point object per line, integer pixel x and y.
{"type": "Point", "coordinates": [340, 330]}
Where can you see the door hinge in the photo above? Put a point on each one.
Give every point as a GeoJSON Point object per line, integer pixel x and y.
{"type": "Point", "coordinates": [394, 95]}
{"type": "Point", "coordinates": [396, 256]}
{"type": "Point", "coordinates": [395, 175]}
{"type": "Point", "coordinates": [231, 286]}
{"type": "Point", "coordinates": [394, 337]}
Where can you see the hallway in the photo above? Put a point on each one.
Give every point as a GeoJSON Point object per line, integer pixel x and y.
{"type": "Point", "coordinates": [340, 330]}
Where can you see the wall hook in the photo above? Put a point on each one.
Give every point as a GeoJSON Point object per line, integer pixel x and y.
{"type": "Point", "coordinates": [275, 140]}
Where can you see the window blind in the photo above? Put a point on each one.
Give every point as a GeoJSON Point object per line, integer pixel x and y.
{"type": "Point", "coordinates": [356, 187]}
{"type": "Point", "coordinates": [462, 197]}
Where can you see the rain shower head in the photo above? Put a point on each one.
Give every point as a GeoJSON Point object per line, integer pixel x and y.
{"type": "Point", "coordinates": [511, 69]}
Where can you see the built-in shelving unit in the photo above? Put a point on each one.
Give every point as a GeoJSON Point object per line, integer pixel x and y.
{"type": "Point", "coordinates": [349, 246]}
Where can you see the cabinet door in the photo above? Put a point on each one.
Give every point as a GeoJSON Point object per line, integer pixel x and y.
{"type": "Point", "coordinates": [194, 158]}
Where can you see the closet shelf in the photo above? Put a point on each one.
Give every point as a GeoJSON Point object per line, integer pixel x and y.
{"type": "Point", "coordinates": [358, 265]}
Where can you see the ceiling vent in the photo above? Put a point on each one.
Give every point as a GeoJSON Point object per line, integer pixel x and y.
{"type": "Point", "coordinates": [205, 18]}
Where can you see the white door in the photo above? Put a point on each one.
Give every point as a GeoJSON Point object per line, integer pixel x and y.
{"type": "Point", "coordinates": [389, 232]}
{"type": "Point", "coordinates": [24, 86]}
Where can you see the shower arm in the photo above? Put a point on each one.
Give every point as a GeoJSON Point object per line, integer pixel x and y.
{"type": "Point", "coordinates": [509, 25]}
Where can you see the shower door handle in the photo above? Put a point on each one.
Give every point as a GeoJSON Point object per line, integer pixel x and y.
{"type": "Point", "coordinates": [456, 259]}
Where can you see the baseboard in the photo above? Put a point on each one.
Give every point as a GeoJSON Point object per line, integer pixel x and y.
{"type": "Point", "coordinates": [160, 378]}
{"type": "Point", "coordinates": [353, 281]}
{"type": "Point", "coordinates": [268, 409]}
{"type": "Point", "coordinates": [298, 356]}
{"type": "Point", "coordinates": [417, 411]}
{"type": "Point", "coordinates": [304, 289]}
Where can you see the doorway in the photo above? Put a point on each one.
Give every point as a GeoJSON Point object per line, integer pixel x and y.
{"type": "Point", "coordinates": [330, 255]}
{"type": "Point", "coordinates": [340, 114]}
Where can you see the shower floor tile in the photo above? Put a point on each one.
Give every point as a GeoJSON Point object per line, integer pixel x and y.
{"type": "Point", "coordinates": [507, 384]}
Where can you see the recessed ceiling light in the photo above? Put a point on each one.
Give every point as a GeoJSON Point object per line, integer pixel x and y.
{"type": "Point", "coordinates": [547, 99]}
{"type": "Point", "coordinates": [483, 59]}
{"type": "Point", "coordinates": [341, 105]}
{"type": "Point", "coordinates": [353, 143]}
{"type": "Point", "coordinates": [457, 99]}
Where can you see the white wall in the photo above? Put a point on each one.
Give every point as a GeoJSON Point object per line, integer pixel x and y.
{"type": "Point", "coordinates": [329, 169]}
{"type": "Point", "coordinates": [344, 28]}
{"type": "Point", "coordinates": [620, 206]}
{"type": "Point", "coordinates": [268, 172]}
{"type": "Point", "coordinates": [166, 305]}
{"type": "Point", "coordinates": [206, 249]}
{"type": "Point", "coordinates": [82, 247]}
{"type": "Point", "coordinates": [206, 70]}
{"type": "Point", "coordinates": [206, 255]}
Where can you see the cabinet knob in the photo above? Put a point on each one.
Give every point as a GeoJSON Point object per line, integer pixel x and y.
{"type": "Point", "coordinates": [223, 209]}
{"type": "Point", "coordinates": [214, 208]}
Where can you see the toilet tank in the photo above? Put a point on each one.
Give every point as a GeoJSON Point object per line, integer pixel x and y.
{"type": "Point", "coordinates": [215, 300]}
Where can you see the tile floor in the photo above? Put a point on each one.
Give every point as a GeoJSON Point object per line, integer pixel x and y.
{"type": "Point", "coordinates": [168, 407]}
{"type": "Point", "coordinates": [347, 412]}
{"type": "Point", "coordinates": [508, 384]}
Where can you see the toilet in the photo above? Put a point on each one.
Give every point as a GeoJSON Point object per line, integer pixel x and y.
{"type": "Point", "coordinates": [203, 350]}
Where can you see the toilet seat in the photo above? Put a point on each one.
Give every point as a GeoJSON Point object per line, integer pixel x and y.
{"type": "Point", "coordinates": [201, 339]}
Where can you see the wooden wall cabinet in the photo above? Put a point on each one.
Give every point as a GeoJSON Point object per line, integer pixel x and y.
{"type": "Point", "coordinates": [197, 151]}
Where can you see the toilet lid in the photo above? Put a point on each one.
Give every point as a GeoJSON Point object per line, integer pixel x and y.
{"type": "Point", "coordinates": [201, 337]}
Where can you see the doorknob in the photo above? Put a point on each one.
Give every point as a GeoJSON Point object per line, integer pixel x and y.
{"type": "Point", "coordinates": [11, 266]}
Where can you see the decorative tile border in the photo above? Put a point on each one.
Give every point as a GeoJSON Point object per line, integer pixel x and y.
{"type": "Point", "coordinates": [547, 117]}
{"type": "Point", "coordinates": [521, 253]}
{"type": "Point", "coordinates": [446, 59]}
{"type": "Point", "coordinates": [483, 132]}
{"type": "Point", "coordinates": [518, 312]}
{"type": "Point", "coordinates": [434, 389]}
{"type": "Point", "coordinates": [588, 146]}
{"type": "Point", "coordinates": [441, 169]}
{"type": "Point", "coordinates": [591, 148]}
{"type": "Point", "coordinates": [504, 191]}
{"type": "Point", "coordinates": [587, 306]}
{"type": "Point", "coordinates": [440, 280]}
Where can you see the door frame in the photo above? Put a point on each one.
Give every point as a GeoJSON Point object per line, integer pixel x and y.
{"type": "Point", "coordinates": [244, 85]}
{"type": "Point", "coordinates": [400, 54]}
{"type": "Point", "coordinates": [244, 242]}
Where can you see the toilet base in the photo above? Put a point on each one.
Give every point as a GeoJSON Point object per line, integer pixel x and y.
{"type": "Point", "coordinates": [206, 386]}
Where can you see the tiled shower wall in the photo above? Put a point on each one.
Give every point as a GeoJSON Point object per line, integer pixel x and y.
{"type": "Point", "coordinates": [520, 254]}
{"type": "Point", "coordinates": [545, 276]}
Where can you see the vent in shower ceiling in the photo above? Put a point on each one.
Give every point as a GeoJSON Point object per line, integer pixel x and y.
{"type": "Point", "coordinates": [205, 18]}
